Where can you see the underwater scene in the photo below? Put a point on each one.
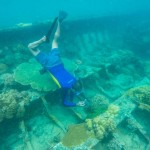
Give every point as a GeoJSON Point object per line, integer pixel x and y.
{"type": "Point", "coordinates": [85, 85]}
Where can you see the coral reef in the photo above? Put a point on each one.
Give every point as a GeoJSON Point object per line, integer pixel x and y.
{"type": "Point", "coordinates": [140, 95]}
{"type": "Point", "coordinates": [103, 124]}
{"type": "Point", "coordinates": [7, 81]}
{"type": "Point", "coordinates": [12, 103]}
{"type": "Point", "coordinates": [98, 128]}
{"type": "Point", "coordinates": [110, 68]}
{"type": "Point", "coordinates": [14, 54]}
{"type": "Point", "coordinates": [110, 72]}
{"type": "Point", "coordinates": [98, 105]}
{"type": "Point", "coordinates": [26, 75]}
{"type": "Point", "coordinates": [72, 136]}
{"type": "Point", "coordinates": [112, 111]}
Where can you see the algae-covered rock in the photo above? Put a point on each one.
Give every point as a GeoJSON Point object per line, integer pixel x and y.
{"type": "Point", "coordinates": [28, 74]}
{"type": "Point", "coordinates": [140, 95]}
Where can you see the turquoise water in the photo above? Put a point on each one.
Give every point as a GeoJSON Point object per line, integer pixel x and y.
{"type": "Point", "coordinates": [14, 12]}
{"type": "Point", "coordinates": [106, 44]}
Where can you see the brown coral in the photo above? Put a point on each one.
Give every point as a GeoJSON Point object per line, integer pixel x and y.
{"type": "Point", "coordinates": [103, 124]}
{"type": "Point", "coordinates": [12, 104]}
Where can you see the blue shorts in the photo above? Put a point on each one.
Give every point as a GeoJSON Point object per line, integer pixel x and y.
{"type": "Point", "coordinates": [52, 62]}
{"type": "Point", "coordinates": [49, 60]}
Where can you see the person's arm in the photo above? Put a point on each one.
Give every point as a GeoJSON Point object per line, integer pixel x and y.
{"type": "Point", "coordinates": [72, 104]}
{"type": "Point", "coordinates": [56, 36]}
{"type": "Point", "coordinates": [69, 104]}
{"type": "Point", "coordinates": [33, 47]}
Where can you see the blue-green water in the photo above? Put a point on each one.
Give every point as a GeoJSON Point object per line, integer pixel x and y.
{"type": "Point", "coordinates": [14, 12]}
{"type": "Point", "coordinates": [106, 44]}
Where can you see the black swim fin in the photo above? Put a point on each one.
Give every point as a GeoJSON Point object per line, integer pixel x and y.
{"type": "Point", "coordinates": [51, 29]}
{"type": "Point", "coordinates": [62, 15]}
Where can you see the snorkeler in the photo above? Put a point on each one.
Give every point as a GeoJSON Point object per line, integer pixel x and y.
{"type": "Point", "coordinates": [53, 64]}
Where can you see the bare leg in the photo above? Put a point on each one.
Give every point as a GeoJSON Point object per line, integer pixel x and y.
{"type": "Point", "coordinates": [33, 46]}
{"type": "Point", "coordinates": [56, 36]}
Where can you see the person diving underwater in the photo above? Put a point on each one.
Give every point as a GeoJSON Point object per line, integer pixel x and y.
{"type": "Point", "coordinates": [52, 63]}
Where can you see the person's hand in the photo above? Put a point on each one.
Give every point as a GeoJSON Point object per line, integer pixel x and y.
{"type": "Point", "coordinates": [81, 103]}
